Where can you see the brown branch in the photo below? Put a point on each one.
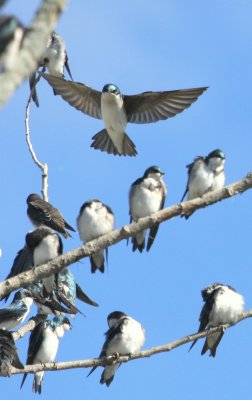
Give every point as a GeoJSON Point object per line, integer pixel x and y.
{"type": "Point", "coordinates": [42, 167]}
{"type": "Point", "coordinates": [123, 359]}
{"type": "Point", "coordinates": [32, 48]}
{"type": "Point", "coordinates": [29, 326]}
{"type": "Point", "coordinates": [58, 263]}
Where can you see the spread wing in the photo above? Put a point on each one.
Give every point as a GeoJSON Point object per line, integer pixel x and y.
{"type": "Point", "coordinates": [77, 95]}
{"type": "Point", "coordinates": [149, 107]}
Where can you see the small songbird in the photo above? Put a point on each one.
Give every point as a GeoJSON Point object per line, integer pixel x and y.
{"type": "Point", "coordinates": [125, 337]}
{"type": "Point", "coordinates": [95, 219]}
{"type": "Point", "coordinates": [8, 353]}
{"type": "Point", "coordinates": [117, 109]}
{"type": "Point", "coordinates": [41, 212]}
{"type": "Point", "coordinates": [11, 36]}
{"type": "Point", "coordinates": [223, 305]}
{"type": "Point", "coordinates": [17, 311]}
{"type": "Point", "coordinates": [205, 174]}
{"type": "Point", "coordinates": [147, 196]}
{"type": "Point", "coordinates": [55, 59]}
{"type": "Point", "coordinates": [43, 346]}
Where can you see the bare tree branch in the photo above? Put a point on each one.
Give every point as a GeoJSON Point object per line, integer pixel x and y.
{"type": "Point", "coordinates": [43, 167]}
{"type": "Point", "coordinates": [58, 263]}
{"type": "Point", "coordinates": [29, 326]}
{"type": "Point", "coordinates": [32, 48]}
{"type": "Point", "coordinates": [114, 359]}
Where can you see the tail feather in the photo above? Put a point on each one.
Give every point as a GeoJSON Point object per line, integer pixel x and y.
{"type": "Point", "coordinates": [23, 380]}
{"type": "Point", "coordinates": [103, 142]}
{"type": "Point", "coordinates": [84, 297]}
{"type": "Point", "coordinates": [152, 235]}
{"type": "Point", "coordinates": [137, 246]}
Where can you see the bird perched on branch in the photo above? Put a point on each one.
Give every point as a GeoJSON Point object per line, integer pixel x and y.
{"type": "Point", "coordinates": [43, 346]}
{"type": "Point", "coordinates": [205, 174]}
{"type": "Point", "coordinates": [125, 337]}
{"type": "Point", "coordinates": [95, 219]}
{"type": "Point", "coordinates": [147, 196]}
{"type": "Point", "coordinates": [54, 59]}
{"type": "Point", "coordinates": [223, 305]}
{"type": "Point", "coordinates": [17, 311]}
{"type": "Point", "coordinates": [8, 353]}
{"type": "Point", "coordinates": [117, 109]}
{"type": "Point", "coordinates": [41, 212]}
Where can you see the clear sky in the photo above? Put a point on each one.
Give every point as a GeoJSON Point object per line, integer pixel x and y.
{"type": "Point", "coordinates": [139, 46]}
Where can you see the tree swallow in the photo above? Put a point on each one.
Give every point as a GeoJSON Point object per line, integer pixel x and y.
{"type": "Point", "coordinates": [17, 311]}
{"type": "Point", "coordinates": [55, 59]}
{"type": "Point", "coordinates": [125, 336]}
{"type": "Point", "coordinates": [205, 174]}
{"type": "Point", "coordinates": [43, 346]}
{"type": "Point", "coordinates": [95, 219]}
{"type": "Point", "coordinates": [8, 353]}
{"type": "Point", "coordinates": [41, 212]}
{"type": "Point", "coordinates": [117, 109]}
{"type": "Point", "coordinates": [11, 36]}
{"type": "Point", "coordinates": [147, 196]}
{"type": "Point", "coordinates": [223, 305]}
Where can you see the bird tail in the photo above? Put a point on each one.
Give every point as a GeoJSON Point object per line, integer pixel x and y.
{"type": "Point", "coordinates": [138, 241]}
{"type": "Point", "coordinates": [84, 297]}
{"type": "Point", "coordinates": [97, 262]}
{"type": "Point", "coordinates": [23, 381]}
{"type": "Point", "coordinates": [152, 235]}
{"type": "Point", "coordinates": [103, 142]}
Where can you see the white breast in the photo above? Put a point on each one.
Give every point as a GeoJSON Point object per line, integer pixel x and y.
{"type": "Point", "coordinates": [94, 222]}
{"type": "Point", "coordinates": [49, 347]}
{"type": "Point", "coordinates": [146, 199]}
{"type": "Point", "coordinates": [201, 182]}
{"type": "Point", "coordinates": [46, 250]}
{"type": "Point", "coordinates": [227, 308]}
{"type": "Point", "coordinates": [130, 340]}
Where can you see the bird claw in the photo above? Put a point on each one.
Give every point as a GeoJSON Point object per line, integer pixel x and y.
{"type": "Point", "coordinates": [115, 357]}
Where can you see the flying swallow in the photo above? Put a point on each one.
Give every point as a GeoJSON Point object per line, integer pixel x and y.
{"type": "Point", "coordinates": [147, 196]}
{"type": "Point", "coordinates": [205, 174]}
{"type": "Point", "coordinates": [8, 353]}
{"type": "Point", "coordinates": [95, 219]}
{"type": "Point", "coordinates": [125, 337]}
{"type": "Point", "coordinates": [43, 346]}
{"type": "Point", "coordinates": [11, 36]}
{"type": "Point", "coordinates": [55, 59]}
{"type": "Point", "coordinates": [117, 109]}
{"type": "Point", "coordinates": [41, 212]}
{"type": "Point", "coordinates": [17, 311]}
{"type": "Point", "coordinates": [223, 305]}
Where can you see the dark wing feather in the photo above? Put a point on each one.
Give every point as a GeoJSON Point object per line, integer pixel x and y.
{"type": "Point", "coordinates": [149, 107]}
{"type": "Point", "coordinates": [77, 95]}
{"type": "Point", "coordinates": [9, 313]}
{"type": "Point", "coordinates": [154, 229]}
{"type": "Point", "coordinates": [84, 297]}
{"type": "Point", "coordinates": [204, 316]}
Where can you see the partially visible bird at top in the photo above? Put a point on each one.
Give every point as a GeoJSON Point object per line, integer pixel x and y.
{"type": "Point", "coordinates": [8, 354]}
{"type": "Point", "coordinates": [95, 219]}
{"type": "Point", "coordinates": [17, 311]}
{"type": "Point", "coordinates": [54, 59]}
{"type": "Point", "coordinates": [117, 109]}
{"type": "Point", "coordinates": [223, 305]}
{"type": "Point", "coordinates": [41, 212]}
{"type": "Point", "coordinates": [147, 196]}
{"type": "Point", "coordinates": [205, 174]}
{"type": "Point", "coordinates": [11, 37]}
{"type": "Point", "coordinates": [43, 346]}
{"type": "Point", "coordinates": [124, 337]}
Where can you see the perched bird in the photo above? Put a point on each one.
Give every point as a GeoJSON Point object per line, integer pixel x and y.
{"type": "Point", "coordinates": [41, 212]}
{"type": "Point", "coordinates": [17, 311]}
{"type": "Point", "coordinates": [43, 346]}
{"type": "Point", "coordinates": [8, 353]}
{"type": "Point", "coordinates": [117, 109]}
{"type": "Point", "coordinates": [11, 36]}
{"type": "Point", "coordinates": [95, 219]}
{"type": "Point", "coordinates": [146, 196]}
{"type": "Point", "coordinates": [67, 290]}
{"type": "Point", "coordinates": [205, 174]}
{"type": "Point", "coordinates": [223, 305]}
{"type": "Point", "coordinates": [55, 59]}
{"type": "Point", "coordinates": [125, 337]}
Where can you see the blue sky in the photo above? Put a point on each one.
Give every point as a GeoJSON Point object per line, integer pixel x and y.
{"type": "Point", "coordinates": [141, 46]}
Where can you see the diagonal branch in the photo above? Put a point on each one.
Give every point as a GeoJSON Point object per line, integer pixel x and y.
{"type": "Point", "coordinates": [58, 263]}
{"type": "Point", "coordinates": [114, 359]}
{"type": "Point", "coordinates": [32, 48]}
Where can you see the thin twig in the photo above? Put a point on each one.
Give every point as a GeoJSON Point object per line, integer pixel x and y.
{"type": "Point", "coordinates": [58, 263]}
{"type": "Point", "coordinates": [123, 359]}
{"type": "Point", "coordinates": [43, 167]}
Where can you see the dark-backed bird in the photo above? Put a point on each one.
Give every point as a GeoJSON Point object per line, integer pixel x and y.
{"type": "Point", "coordinates": [223, 305]}
{"type": "Point", "coordinates": [117, 109]}
{"type": "Point", "coordinates": [17, 311]}
{"type": "Point", "coordinates": [146, 196]}
{"type": "Point", "coordinates": [8, 354]}
{"type": "Point", "coordinates": [41, 212]}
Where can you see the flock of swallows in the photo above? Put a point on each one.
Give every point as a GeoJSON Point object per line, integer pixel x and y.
{"type": "Point", "coordinates": [57, 294]}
